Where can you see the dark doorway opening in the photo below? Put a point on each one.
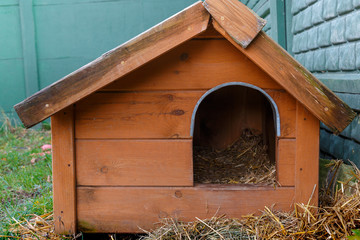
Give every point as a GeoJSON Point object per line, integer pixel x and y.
{"type": "Point", "coordinates": [234, 138]}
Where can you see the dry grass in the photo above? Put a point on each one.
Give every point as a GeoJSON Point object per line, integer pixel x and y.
{"type": "Point", "coordinates": [38, 227]}
{"type": "Point", "coordinates": [246, 161]}
{"type": "Point", "coordinates": [333, 221]}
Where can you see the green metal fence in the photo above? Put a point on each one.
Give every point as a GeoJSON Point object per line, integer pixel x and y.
{"type": "Point", "coordinates": [43, 40]}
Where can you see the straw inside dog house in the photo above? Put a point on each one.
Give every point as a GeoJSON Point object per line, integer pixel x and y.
{"type": "Point", "coordinates": [221, 153]}
{"type": "Point", "coordinates": [124, 126]}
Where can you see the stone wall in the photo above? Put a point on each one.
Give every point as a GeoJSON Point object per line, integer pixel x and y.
{"type": "Point", "coordinates": [326, 40]}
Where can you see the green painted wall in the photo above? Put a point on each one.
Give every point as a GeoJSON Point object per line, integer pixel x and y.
{"type": "Point", "coordinates": [12, 85]}
{"type": "Point", "coordinates": [41, 41]}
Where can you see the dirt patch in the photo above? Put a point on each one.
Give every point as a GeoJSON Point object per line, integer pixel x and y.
{"type": "Point", "coordinates": [246, 161]}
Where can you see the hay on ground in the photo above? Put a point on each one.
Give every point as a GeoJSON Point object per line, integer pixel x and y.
{"type": "Point", "coordinates": [334, 219]}
{"type": "Point", "coordinates": [38, 227]}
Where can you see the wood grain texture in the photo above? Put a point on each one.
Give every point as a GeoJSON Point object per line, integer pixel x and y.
{"type": "Point", "coordinates": [286, 162]}
{"type": "Point", "coordinates": [136, 114]}
{"type": "Point", "coordinates": [114, 64]}
{"type": "Point", "coordinates": [209, 33]}
{"type": "Point", "coordinates": [297, 80]}
{"type": "Point", "coordinates": [127, 209]}
{"type": "Point", "coordinates": [196, 64]}
{"type": "Point", "coordinates": [134, 162]}
{"type": "Point", "coordinates": [64, 195]}
{"type": "Point", "coordinates": [307, 156]}
{"type": "Point", "coordinates": [287, 110]}
{"type": "Point", "coordinates": [240, 22]}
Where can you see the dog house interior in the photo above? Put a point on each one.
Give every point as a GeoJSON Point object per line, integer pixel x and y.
{"type": "Point", "coordinates": [234, 136]}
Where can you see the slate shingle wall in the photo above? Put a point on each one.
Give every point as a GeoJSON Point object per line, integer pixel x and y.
{"type": "Point", "coordinates": [333, 25]}
{"type": "Point", "coordinates": [326, 40]}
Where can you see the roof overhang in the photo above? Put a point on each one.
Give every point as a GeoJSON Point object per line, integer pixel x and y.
{"type": "Point", "coordinates": [234, 21]}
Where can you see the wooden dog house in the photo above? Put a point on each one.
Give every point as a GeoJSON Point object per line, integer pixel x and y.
{"type": "Point", "coordinates": [123, 125]}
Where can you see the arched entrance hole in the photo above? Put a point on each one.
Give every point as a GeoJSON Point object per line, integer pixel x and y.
{"type": "Point", "coordinates": [234, 128]}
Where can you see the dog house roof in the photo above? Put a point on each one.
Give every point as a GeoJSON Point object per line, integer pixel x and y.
{"type": "Point", "coordinates": [230, 18]}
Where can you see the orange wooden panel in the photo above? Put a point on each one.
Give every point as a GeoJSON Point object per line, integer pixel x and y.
{"type": "Point", "coordinates": [136, 115]}
{"type": "Point", "coordinates": [286, 162]}
{"type": "Point", "coordinates": [127, 209]}
{"type": "Point", "coordinates": [196, 64]}
{"type": "Point", "coordinates": [62, 131]}
{"type": "Point", "coordinates": [307, 156]}
{"type": "Point", "coordinates": [287, 110]}
{"type": "Point", "coordinates": [134, 162]}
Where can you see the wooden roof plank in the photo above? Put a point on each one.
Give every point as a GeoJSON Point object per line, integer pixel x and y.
{"type": "Point", "coordinates": [114, 64]}
{"type": "Point", "coordinates": [241, 23]}
{"type": "Point", "coordinates": [296, 79]}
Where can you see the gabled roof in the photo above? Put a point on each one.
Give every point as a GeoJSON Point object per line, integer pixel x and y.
{"type": "Point", "coordinates": [234, 21]}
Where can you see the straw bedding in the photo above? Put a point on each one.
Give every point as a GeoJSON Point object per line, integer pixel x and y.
{"type": "Point", "coordinates": [246, 161]}
{"type": "Point", "coordinates": [38, 227]}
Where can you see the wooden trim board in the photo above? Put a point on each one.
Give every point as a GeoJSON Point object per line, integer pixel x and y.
{"type": "Point", "coordinates": [307, 156]}
{"type": "Point", "coordinates": [127, 209]}
{"type": "Point", "coordinates": [239, 21]}
{"type": "Point", "coordinates": [63, 157]}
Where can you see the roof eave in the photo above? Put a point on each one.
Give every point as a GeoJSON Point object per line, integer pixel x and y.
{"type": "Point", "coordinates": [114, 64]}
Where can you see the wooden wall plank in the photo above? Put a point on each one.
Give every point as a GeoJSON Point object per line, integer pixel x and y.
{"type": "Point", "coordinates": [134, 162]}
{"type": "Point", "coordinates": [114, 64]}
{"type": "Point", "coordinates": [196, 64]}
{"type": "Point", "coordinates": [286, 162]}
{"type": "Point", "coordinates": [307, 155]}
{"type": "Point", "coordinates": [164, 114]}
{"type": "Point", "coordinates": [136, 115]}
{"type": "Point", "coordinates": [240, 23]}
{"type": "Point", "coordinates": [287, 110]}
{"type": "Point", "coordinates": [127, 209]}
{"type": "Point", "coordinates": [64, 196]}
{"type": "Point", "coordinates": [297, 80]}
